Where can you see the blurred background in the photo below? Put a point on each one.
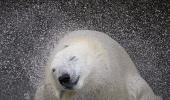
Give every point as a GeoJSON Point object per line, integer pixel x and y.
{"type": "Point", "coordinates": [30, 29]}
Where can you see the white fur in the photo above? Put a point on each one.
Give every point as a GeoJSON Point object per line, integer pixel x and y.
{"type": "Point", "coordinates": [105, 69]}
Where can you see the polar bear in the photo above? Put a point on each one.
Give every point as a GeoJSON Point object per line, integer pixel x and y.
{"type": "Point", "coordinates": [89, 65]}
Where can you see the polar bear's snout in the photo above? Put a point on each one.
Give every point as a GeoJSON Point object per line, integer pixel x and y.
{"type": "Point", "coordinates": [67, 81]}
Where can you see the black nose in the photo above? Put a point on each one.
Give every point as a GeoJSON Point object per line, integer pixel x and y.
{"type": "Point", "coordinates": [66, 81]}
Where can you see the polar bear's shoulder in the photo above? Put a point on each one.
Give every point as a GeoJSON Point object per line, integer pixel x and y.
{"type": "Point", "coordinates": [139, 89]}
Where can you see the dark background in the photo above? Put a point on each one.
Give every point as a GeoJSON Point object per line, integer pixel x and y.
{"type": "Point", "coordinates": [30, 29]}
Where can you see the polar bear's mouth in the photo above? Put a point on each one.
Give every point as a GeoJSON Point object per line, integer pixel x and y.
{"type": "Point", "coordinates": [67, 82]}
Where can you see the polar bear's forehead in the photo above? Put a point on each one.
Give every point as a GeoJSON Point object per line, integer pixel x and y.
{"type": "Point", "coordinates": [80, 43]}
{"type": "Point", "coordinates": [72, 55]}
{"type": "Point", "coordinates": [75, 50]}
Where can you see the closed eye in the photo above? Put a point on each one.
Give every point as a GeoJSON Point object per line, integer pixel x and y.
{"type": "Point", "coordinates": [72, 58]}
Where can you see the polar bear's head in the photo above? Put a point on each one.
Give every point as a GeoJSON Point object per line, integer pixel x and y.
{"type": "Point", "coordinates": [71, 65]}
